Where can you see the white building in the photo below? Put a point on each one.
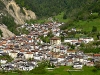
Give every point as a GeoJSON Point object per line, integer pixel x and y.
{"type": "Point", "coordinates": [87, 39]}
{"type": "Point", "coordinates": [70, 40]}
{"type": "Point", "coordinates": [28, 55]}
{"type": "Point", "coordinates": [55, 41]}
{"type": "Point", "coordinates": [13, 54]}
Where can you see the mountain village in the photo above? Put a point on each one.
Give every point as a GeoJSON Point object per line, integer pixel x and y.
{"type": "Point", "coordinates": [28, 50]}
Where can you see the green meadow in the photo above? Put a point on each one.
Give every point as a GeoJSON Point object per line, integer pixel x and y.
{"type": "Point", "coordinates": [63, 70]}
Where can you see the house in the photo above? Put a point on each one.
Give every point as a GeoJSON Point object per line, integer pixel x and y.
{"type": "Point", "coordinates": [86, 39]}
{"type": "Point", "coordinates": [96, 57]}
{"type": "Point", "coordinates": [13, 54]}
{"type": "Point", "coordinates": [26, 66]}
{"type": "Point", "coordinates": [56, 49]}
{"type": "Point", "coordinates": [8, 67]}
{"type": "Point", "coordinates": [20, 55]}
{"type": "Point", "coordinates": [61, 58]}
{"type": "Point", "coordinates": [63, 50]}
{"type": "Point", "coordinates": [71, 52]}
{"type": "Point", "coordinates": [90, 63]}
{"type": "Point", "coordinates": [69, 62]}
{"type": "Point", "coordinates": [77, 65]}
{"type": "Point", "coordinates": [55, 41]}
{"type": "Point", "coordinates": [54, 61]}
{"type": "Point", "coordinates": [71, 40]}
{"type": "Point", "coordinates": [28, 55]}
{"type": "Point", "coordinates": [89, 55]}
{"type": "Point", "coordinates": [38, 57]}
{"type": "Point", "coordinates": [1, 51]}
{"type": "Point", "coordinates": [3, 61]}
{"type": "Point", "coordinates": [79, 58]}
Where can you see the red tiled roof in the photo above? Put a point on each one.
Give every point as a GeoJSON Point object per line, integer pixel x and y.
{"type": "Point", "coordinates": [55, 38]}
{"type": "Point", "coordinates": [97, 55]}
{"type": "Point", "coordinates": [29, 53]}
{"type": "Point", "coordinates": [71, 51]}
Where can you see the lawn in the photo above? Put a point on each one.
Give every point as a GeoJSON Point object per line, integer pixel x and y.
{"type": "Point", "coordinates": [87, 25]}
{"type": "Point", "coordinates": [60, 71]}
{"type": "Point", "coordinates": [59, 18]}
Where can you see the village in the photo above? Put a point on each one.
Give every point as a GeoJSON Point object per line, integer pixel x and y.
{"type": "Point", "coordinates": [28, 50]}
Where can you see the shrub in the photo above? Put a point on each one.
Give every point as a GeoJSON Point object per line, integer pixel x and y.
{"type": "Point", "coordinates": [94, 70]}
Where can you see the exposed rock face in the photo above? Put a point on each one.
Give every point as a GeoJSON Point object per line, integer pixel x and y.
{"type": "Point", "coordinates": [19, 15]}
{"type": "Point", "coordinates": [6, 33]}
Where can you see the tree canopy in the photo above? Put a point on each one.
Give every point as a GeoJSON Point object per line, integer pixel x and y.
{"type": "Point", "coordinates": [72, 8]}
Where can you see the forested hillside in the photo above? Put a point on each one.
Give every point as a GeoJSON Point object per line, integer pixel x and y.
{"type": "Point", "coordinates": [80, 9]}
{"type": "Point", "coordinates": [43, 7]}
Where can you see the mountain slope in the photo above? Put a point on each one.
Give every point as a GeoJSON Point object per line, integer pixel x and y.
{"type": "Point", "coordinates": [5, 32]}
{"type": "Point", "coordinates": [43, 8]}
{"type": "Point", "coordinates": [72, 8]}
{"type": "Point", "coordinates": [19, 15]}
{"type": "Point", "coordinates": [11, 15]}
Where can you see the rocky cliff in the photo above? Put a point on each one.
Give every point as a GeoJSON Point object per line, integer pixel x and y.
{"type": "Point", "coordinates": [20, 15]}
{"type": "Point", "coordinates": [5, 32]}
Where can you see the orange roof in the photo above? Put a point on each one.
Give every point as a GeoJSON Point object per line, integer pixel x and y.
{"type": "Point", "coordinates": [90, 63]}
{"type": "Point", "coordinates": [22, 50]}
{"type": "Point", "coordinates": [61, 56]}
{"type": "Point", "coordinates": [96, 54]}
{"type": "Point", "coordinates": [13, 52]}
{"type": "Point", "coordinates": [29, 53]}
{"type": "Point", "coordinates": [80, 40]}
{"type": "Point", "coordinates": [55, 38]}
{"type": "Point", "coordinates": [7, 49]}
{"type": "Point", "coordinates": [70, 60]}
{"type": "Point", "coordinates": [0, 44]}
{"type": "Point", "coordinates": [34, 50]}
{"type": "Point", "coordinates": [4, 42]}
{"type": "Point", "coordinates": [71, 51]}
{"type": "Point", "coordinates": [73, 41]}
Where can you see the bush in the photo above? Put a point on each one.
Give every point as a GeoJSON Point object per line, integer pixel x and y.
{"type": "Point", "coordinates": [94, 70]}
{"type": "Point", "coordinates": [1, 33]}
{"type": "Point", "coordinates": [97, 65]}
{"type": "Point", "coordinates": [40, 69]}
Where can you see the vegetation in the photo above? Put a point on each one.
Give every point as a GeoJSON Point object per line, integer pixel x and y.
{"type": "Point", "coordinates": [43, 8]}
{"type": "Point", "coordinates": [72, 8]}
{"type": "Point", "coordinates": [97, 65]}
{"type": "Point", "coordinates": [11, 8]}
{"type": "Point", "coordinates": [9, 22]}
{"type": "Point", "coordinates": [47, 38]}
{"type": "Point", "coordinates": [61, 71]}
{"type": "Point", "coordinates": [94, 29]}
{"type": "Point", "coordinates": [82, 14]}
{"type": "Point", "coordinates": [92, 47]}
{"type": "Point", "coordinates": [24, 31]}
{"type": "Point", "coordinates": [1, 33]}
{"type": "Point", "coordinates": [90, 50]}
{"type": "Point", "coordinates": [2, 6]}
{"type": "Point", "coordinates": [6, 57]}
{"type": "Point", "coordinates": [40, 69]}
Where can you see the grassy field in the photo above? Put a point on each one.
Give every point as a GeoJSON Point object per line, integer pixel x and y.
{"type": "Point", "coordinates": [87, 25]}
{"type": "Point", "coordinates": [60, 71]}
{"type": "Point", "coordinates": [60, 18]}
